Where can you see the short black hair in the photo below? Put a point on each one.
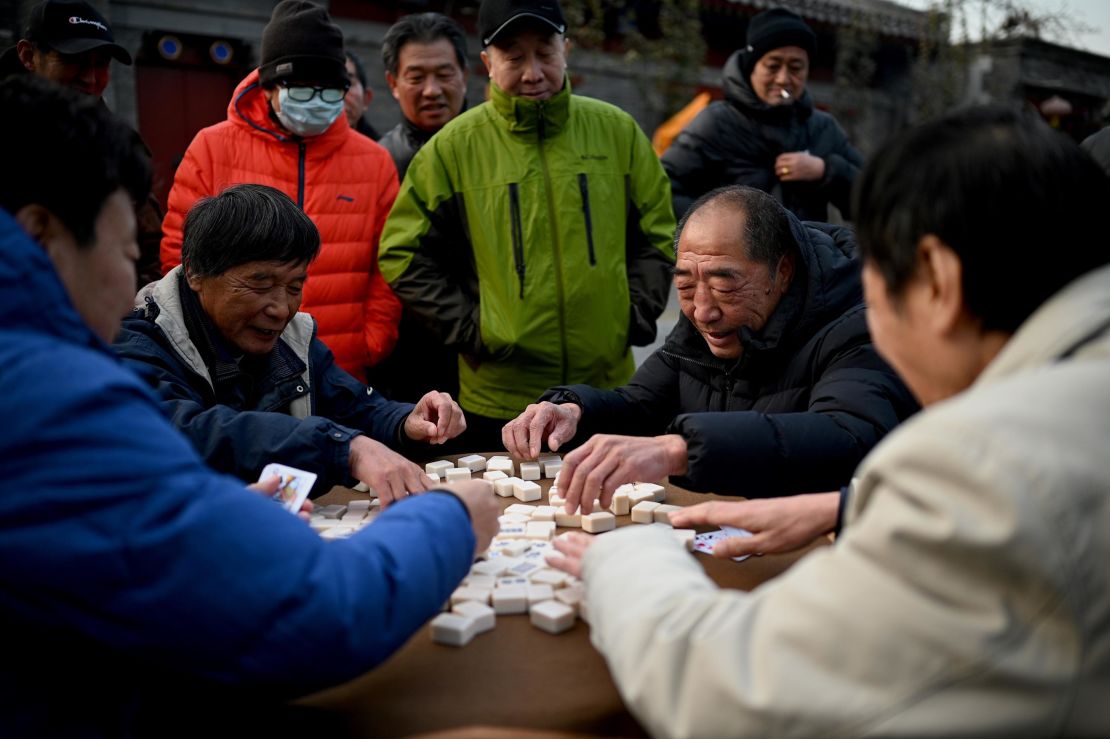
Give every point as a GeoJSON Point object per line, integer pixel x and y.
{"type": "Point", "coordinates": [767, 235]}
{"type": "Point", "coordinates": [67, 153]}
{"type": "Point", "coordinates": [1020, 204]}
{"type": "Point", "coordinates": [360, 70]}
{"type": "Point", "coordinates": [421, 28]}
{"type": "Point", "coordinates": [246, 223]}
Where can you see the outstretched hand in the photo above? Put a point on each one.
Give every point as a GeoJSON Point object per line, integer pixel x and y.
{"type": "Point", "coordinates": [777, 524]}
{"type": "Point", "coordinates": [554, 423]}
{"type": "Point", "coordinates": [435, 419]}
{"type": "Point", "coordinates": [596, 469]}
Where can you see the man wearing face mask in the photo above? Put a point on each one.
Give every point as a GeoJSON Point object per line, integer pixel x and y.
{"type": "Point", "coordinates": [766, 133]}
{"type": "Point", "coordinates": [285, 128]}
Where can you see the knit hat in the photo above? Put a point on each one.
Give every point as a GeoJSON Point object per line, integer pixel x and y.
{"type": "Point", "coordinates": [301, 44]}
{"type": "Point", "coordinates": [773, 29]}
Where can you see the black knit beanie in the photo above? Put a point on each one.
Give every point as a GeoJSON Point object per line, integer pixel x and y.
{"type": "Point", "coordinates": [301, 44]}
{"type": "Point", "coordinates": [773, 29]}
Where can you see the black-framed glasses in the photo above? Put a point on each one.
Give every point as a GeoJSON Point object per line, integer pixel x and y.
{"type": "Point", "coordinates": [304, 93]}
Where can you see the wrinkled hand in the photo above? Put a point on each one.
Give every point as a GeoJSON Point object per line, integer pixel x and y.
{"type": "Point", "coordinates": [606, 462]}
{"type": "Point", "coordinates": [387, 472]}
{"type": "Point", "coordinates": [435, 419]}
{"type": "Point", "coordinates": [482, 506]}
{"type": "Point", "coordinates": [269, 486]}
{"type": "Point", "coordinates": [799, 166]}
{"type": "Point", "coordinates": [524, 435]}
{"type": "Point", "coordinates": [777, 524]}
{"type": "Point", "coordinates": [572, 547]}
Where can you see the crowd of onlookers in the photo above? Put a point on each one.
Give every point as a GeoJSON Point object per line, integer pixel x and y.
{"type": "Point", "coordinates": [474, 279]}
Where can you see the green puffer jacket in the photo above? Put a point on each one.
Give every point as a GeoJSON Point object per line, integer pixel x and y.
{"type": "Point", "coordinates": [535, 237]}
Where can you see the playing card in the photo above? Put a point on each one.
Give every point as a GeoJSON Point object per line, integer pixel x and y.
{"type": "Point", "coordinates": [294, 486]}
{"type": "Point", "coordinates": [706, 542]}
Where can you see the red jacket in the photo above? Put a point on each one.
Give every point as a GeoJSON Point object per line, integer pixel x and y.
{"type": "Point", "coordinates": [346, 184]}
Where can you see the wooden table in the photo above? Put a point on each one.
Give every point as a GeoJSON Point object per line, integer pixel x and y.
{"type": "Point", "coordinates": [513, 681]}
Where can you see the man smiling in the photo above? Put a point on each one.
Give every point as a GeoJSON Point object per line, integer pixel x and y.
{"type": "Point", "coordinates": [425, 65]}
{"type": "Point", "coordinates": [773, 332]}
{"type": "Point", "coordinates": [241, 372]}
{"type": "Point", "coordinates": [533, 232]}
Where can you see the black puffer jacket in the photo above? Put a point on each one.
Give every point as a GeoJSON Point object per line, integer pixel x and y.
{"type": "Point", "coordinates": [806, 401]}
{"type": "Point", "coordinates": [735, 142]}
{"type": "Point", "coordinates": [402, 142]}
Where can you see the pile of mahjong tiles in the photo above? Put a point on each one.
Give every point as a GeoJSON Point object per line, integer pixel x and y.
{"type": "Point", "coordinates": [512, 576]}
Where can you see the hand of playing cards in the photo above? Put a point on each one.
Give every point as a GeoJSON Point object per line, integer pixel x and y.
{"type": "Point", "coordinates": [707, 542]}
{"type": "Point", "coordinates": [768, 526]}
{"type": "Point", "coordinates": [293, 485]}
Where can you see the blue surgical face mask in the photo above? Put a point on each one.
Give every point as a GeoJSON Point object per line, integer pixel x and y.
{"type": "Point", "coordinates": [307, 119]}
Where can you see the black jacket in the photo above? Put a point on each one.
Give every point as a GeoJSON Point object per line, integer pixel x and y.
{"type": "Point", "coordinates": [736, 141]}
{"type": "Point", "coordinates": [807, 400]}
{"type": "Point", "coordinates": [402, 142]}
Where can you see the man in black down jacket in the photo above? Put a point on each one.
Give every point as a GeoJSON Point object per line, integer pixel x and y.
{"type": "Point", "coordinates": [766, 132]}
{"type": "Point", "coordinates": [768, 385]}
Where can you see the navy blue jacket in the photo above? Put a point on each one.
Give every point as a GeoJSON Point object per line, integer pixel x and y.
{"type": "Point", "coordinates": [807, 400]}
{"type": "Point", "coordinates": [122, 556]}
{"type": "Point", "coordinates": [240, 433]}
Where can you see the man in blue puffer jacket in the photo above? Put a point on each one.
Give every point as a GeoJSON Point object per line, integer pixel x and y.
{"type": "Point", "coordinates": [122, 557]}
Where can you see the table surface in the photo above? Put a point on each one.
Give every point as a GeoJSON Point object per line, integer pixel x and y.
{"type": "Point", "coordinates": [513, 681]}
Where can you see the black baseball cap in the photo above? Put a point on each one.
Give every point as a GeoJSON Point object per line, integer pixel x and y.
{"type": "Point", "coordinates": [496, 15]}
{"type": "Point", "coordinates": [72, 27]}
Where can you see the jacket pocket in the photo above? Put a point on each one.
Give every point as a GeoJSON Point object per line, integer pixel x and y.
{"type": "Point", "coordinates": [584, 188]}
{"type": "Point", "coordinates": [517, 233]}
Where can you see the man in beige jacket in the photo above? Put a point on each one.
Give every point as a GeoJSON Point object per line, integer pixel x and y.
{"type": "Point", "coordinates": [968, 593]}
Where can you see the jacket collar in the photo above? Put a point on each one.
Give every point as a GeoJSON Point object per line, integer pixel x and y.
{"type": "Point", "coordinates": [164, 302]}
{"type": "Point", "coordinates": [524, 115]}
{"type": "Point", "coordinates": [1068, 321]}
{"type": "Point", "coordinates": [416, 136]}
{"type": "Point", "coordinates": [249, 109]}
{"type": "Point", "coordinates": [738, 91]}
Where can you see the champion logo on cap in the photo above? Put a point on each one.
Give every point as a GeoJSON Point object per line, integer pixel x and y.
{"type": "Point", "coordinates": [77, 21]}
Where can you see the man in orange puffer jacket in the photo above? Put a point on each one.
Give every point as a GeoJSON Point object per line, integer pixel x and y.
{"type": "Point", "coordinates": [345, 182]}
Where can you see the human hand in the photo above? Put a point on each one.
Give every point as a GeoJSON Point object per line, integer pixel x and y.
{"type": "Point", "coordinates": [384, 470]}
{"type": "Point", "coordinates": [524, 435]}
{"type": "Point", "coordinates": [572, 548]}
{"type": "Point", "coordinates": [606, 462]}
{"type": "Point", "coordinates": [435, 419]}
{"type": "Point", "coordinates": [481, 505]}
{"type": "Point", "coordinates": [777, 524]}
{"type": "Point", "coordinates": [799, 166]}
{"type": "Point", "coordinates": [269, 486]}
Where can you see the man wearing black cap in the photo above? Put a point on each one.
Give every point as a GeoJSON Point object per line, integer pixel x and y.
{"type": "Point", "coordinates": [68, 42]}
{"type": "Point", "coordinates": [285, 128]}
{"type": "Point", "coordinates": [766, 132]}
{"type": "Point", "coordinates": [533, 232]}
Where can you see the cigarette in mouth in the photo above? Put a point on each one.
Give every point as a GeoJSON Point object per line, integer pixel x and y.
{"type": "Point", "coordinates": [785, 94]}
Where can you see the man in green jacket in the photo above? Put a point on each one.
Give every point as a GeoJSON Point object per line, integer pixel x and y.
{"type": "Point", "coordinates": [533, 233]}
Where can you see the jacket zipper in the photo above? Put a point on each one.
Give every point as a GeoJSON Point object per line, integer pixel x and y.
{"type": "Point", "coordinates": [561, 309]}
{"type": "Point", "coordinates": [730, 381]}
{"type": "Point", "coordinates": [584, 188]}
{"type": "Point", "coordinates": [517, 233]}
{"type": "Point", "coordinates": [300, 175]}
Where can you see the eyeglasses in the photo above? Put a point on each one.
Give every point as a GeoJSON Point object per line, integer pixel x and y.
{"type": "Point", "coordinates": [302, 93]}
